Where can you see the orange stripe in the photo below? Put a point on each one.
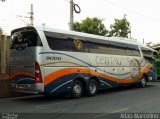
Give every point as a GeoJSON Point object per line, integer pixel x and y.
{"type": "Point", "coordinates": [12, 75]}
{"type": "Point", "coordinates": [55, 75]}
{"type": "Point", "coordinates": [146, 69]}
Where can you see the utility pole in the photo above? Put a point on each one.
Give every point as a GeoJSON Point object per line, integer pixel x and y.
{"type": "Point", "coordinates": [71, 16]}
{"type": "Point", "coordinates": [143, 40]}
{"type": "Point", "coordinates": [130, 32]}
{"type": "Point", "coordinates": [31, 15]}
{"type": "Point", "coordinates": [73, 8]}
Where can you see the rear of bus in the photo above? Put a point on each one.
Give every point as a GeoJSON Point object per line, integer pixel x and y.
{"type": "Point", "coordinates": [25, 73]}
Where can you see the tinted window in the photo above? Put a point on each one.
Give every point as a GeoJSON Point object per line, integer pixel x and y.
{"type": "Point", "coordinates": [133, 50]}
{"type": "Point", "coordinates": [22, 39]}
{"type": "Point", "coordinates": [105, 49]}
{"type": "Point", "coordinates": [147, 52]}
{"type": "Point", "coordinates": [150, 60]}
{"type": "Point", "coordinates": [63, 42]}
{"type": "Point", "coordinates": [113, 48]}
{"type": "Point", "coordinates": [97, 48]}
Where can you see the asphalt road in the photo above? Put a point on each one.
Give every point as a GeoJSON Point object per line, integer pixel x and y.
{"type": "Point", "coordinates": [110, 104]}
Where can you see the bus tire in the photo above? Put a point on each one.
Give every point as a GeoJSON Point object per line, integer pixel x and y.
{"type": "Point", "coordinates": [77, 89]}
{"type": "Point", "coordinates": [143, 82]}
{"type": "Point", "coordinates": [92, 87]}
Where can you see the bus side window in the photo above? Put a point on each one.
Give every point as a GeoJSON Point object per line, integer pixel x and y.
{"type": "Point", "coordinates": [62, 42]}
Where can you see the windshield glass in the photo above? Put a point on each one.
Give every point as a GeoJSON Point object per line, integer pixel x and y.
{"type": "Point", "coordinates": [25, 38]}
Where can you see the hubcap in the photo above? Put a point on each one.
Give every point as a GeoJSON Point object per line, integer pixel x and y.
{"type": "Point", "coordinates": [77, 89]}
{"type": "Point", "coordinates": [92, 87]}
{"type": "Point", "coordinates": [143, 81]}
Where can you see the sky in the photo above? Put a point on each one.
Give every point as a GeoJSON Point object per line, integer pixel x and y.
{"type": "Point", "coordinates": [143, 15]}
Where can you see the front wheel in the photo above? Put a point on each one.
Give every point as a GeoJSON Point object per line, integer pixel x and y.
{"type": "Point", "coordinates": [92, 87]}
{"type": "Point", "coordinates": [77, 89]}
{"type": "Point", "coordinates": [143, 82]}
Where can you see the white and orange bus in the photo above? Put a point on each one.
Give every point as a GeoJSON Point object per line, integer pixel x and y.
{"type": "Point", "coordinates": [50, 61]}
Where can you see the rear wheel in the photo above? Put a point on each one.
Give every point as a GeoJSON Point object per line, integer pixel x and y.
{"type": "Point", "coordinates": [77, 89]}
{"type": "Point", "coordinates": [92, 87]}
{"type": "Point", "coordinates": [143, 82]}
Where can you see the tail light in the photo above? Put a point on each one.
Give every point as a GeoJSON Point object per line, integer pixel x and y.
{"type": "Point", "coordinates": [38, 75]}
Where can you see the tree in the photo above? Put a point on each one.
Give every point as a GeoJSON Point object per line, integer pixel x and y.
{"type": "Point", "coordinates": [92, 26]}
{"type": "Point", "coordinates": [1, 32]}
{"type": "Point", "coordinates": [120, 28]}
{"type": "Point", "coordinates": [152, 45]}
{"type": "Point", "coordinates": [156, 45]}
{"type": "Point", "coordinates": [149, 44]}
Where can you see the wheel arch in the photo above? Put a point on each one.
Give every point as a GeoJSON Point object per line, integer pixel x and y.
{"type": "Point", "coordinates": [82, 80]}
{"type": "Point", "coordinates": [85, 81]}
{"type": "Point", "coordinates": [146, 76]}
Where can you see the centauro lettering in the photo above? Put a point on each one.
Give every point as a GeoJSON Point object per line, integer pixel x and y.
{"type": "Point", "coordinates": [112, 61]}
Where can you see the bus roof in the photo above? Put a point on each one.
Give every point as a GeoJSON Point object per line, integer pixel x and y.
{"type": "Point", "coordinates": [118, 39]}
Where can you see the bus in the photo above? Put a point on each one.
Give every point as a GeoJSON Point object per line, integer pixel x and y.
{"type": "Point", "coordinates": [157, 60]}
{"type": "Point", "coordinates": [50, 62]}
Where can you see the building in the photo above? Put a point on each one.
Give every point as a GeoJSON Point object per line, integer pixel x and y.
{"type": "Point", "coordinates": [4, 54]}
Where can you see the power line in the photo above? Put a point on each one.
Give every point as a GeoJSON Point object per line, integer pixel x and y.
{"type": "Point", "coordinates": [130, 10]}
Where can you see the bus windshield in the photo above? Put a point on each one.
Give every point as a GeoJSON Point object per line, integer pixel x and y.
{"type": "Point", "coordinates": [22, 38]}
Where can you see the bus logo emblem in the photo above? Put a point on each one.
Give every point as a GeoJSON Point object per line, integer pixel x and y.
{"type": "Point", "coordinates": [78, 44]}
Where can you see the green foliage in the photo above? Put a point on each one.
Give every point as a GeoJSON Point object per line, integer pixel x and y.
{"type": "Point", "coordinates": [120, 28]}
{"type": "Point", "coordinates": [92, 26]}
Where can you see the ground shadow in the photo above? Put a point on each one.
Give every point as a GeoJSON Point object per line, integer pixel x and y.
{"type": "Point", "coordinates": [59, 98]}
